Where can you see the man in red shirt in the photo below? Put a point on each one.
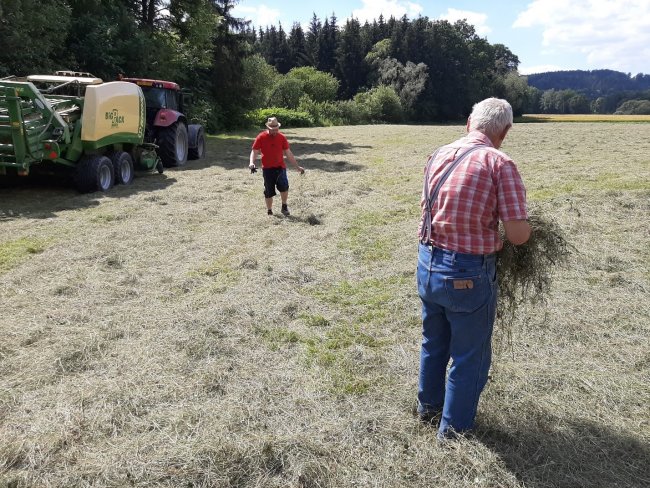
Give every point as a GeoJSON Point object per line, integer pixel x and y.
{"type": "Point", "coordinates": [469, 186]}
{"type": "Point", "coordinates": [273, 146]}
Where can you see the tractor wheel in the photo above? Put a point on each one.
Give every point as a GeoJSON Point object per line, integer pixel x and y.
{"type": "Point", "coordinates": [123, 168]}
{"type": "Point", "coordinates": [197, 152]}
{"type": "Point", "coordinates": [173, 144]}
{"type": "Point", "coordinates": [94, 173]}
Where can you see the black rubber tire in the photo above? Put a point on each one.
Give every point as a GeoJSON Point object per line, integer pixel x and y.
{"type": "Point", "coordinates": [94, 173]}
{"type": "Point", "coordinates": [198, 152]}
{"type": "Point", "coordinates": [123, 168]}
{"type": "Point", "coordinates": [173, 144]}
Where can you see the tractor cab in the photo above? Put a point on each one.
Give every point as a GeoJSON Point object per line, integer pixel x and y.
{"type": "Point", "coordinates": [163, 99]}
{"type": "Point", "coordinates": [167, 125]}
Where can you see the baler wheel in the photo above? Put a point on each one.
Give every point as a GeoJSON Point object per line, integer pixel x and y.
{"type": "Point", "coordinates": [94, 173]}
{"type": "Point", "coordinates": [123, 168]}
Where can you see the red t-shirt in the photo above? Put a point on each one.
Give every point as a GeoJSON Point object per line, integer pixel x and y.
{"type": "Point", "coordinates": [272, 148]}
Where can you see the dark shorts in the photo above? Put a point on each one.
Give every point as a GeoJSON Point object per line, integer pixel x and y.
{"type": "Point", "coordinates": [275, 178]}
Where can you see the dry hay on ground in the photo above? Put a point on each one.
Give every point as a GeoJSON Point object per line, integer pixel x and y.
{"type": "Point", "coordinates": [172, 334]}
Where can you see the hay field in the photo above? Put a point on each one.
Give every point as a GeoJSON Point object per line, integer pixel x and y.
{"type": "Point", "coordinates": [583, 118]}
{"type": "Point", "coordinates": [171, 334]}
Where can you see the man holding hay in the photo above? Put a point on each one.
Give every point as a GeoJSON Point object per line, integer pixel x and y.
{"type": "Point", "coordinates": [469, 186]}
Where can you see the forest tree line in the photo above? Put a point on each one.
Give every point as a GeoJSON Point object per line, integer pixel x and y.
{"type": "Point", "coordinates": [387, 70]}
{"type": "Point", "coordinates": [594, 83]}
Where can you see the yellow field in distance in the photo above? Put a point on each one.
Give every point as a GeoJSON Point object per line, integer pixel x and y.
{"type": "Point", "coordinates": [582, 118]}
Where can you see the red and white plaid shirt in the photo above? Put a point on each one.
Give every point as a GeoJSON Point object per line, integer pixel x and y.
{"type": "Point", "coordinates": [483, 189]}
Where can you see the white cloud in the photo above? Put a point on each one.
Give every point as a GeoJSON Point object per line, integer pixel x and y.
{"type": "Point", "coordinates": [541, 68]}
{"type": "Point", "coordinates": [477, 19]}
{"type": "Point", "coordinates": [611, 34]}
{"type": "Point", "coordinates": [259, 16]}
{"type": "Point", "coordinates": [372, 9]}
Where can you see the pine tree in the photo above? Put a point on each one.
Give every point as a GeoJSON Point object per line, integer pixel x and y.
{"type": "Point", "coordinates": [312, 40]}
{"type": "Point", "coordinates": [327, 44]}
{"type": "Point", "coordinates": [350, 68]}
{"type": "Point", "coordinates": [298, 47]}
{"type": "Point", "coordinates": [283, 61]}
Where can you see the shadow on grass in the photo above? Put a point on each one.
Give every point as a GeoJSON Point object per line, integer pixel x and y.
{"type": "Point", "coordinates": [234, 153]}
{"type": "Point", "coordinates": [304, 139]}
{"type": "Point", "coordinates": [326, 148]}
{"type": "Point", "coordinates": [43, 196]}
{"type": "Point", "coordinates": [581, 454]}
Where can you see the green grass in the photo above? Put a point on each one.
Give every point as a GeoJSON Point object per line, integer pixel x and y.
{"type": "Point", "coordinates": [15, 252]}
{"type": "Point", "coordinates": [336, 355]}
{"type": "Point", "coordinates": [330, 356]}
{"type": "Point", "coordinates": [279, 336]}
{"type": "Point", "coordinates": [316, 320]}
{"type": "Point", "coordinates": [344, 336]}
{"type": "Point", "coordinates": [369, 234]}
{"type": "Point", "coordinates": [604, 182]}
{"type": "Point", "coordinates": [368, 293]}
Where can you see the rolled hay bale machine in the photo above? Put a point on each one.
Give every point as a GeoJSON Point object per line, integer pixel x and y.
{"type": "Point", "coordinates": [74, 121]}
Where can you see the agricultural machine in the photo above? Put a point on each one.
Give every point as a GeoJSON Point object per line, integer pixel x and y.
{"type": "Point", "coordinates": [97, 130]}
{"type": "Point", "coordinates": [167, 125]}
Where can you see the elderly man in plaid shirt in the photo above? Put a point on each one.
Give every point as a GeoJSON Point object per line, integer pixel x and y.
{"type": "Point", "coordinates": [469, 186]}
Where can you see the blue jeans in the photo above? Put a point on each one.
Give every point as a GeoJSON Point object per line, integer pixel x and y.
{"type": "Point", "coordinates": [459, 296]}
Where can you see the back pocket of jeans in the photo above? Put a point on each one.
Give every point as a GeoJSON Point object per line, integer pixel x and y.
{"type": "Point", "coordinates": [467, 294]}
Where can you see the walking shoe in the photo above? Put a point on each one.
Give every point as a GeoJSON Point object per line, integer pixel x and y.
{"type": "Point", "coordinates": [430, 418]}
{"type": "Point", "coordinates": [269, 212]}
{"type": "Point", "coordinates": [285, 209]}
{"type": "Point", "coordinates": [449, 436]}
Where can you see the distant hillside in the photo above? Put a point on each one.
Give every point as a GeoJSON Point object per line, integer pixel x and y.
{"type": "Point", "coordinates": [593, 84]}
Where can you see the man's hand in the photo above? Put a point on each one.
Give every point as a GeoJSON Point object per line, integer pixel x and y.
{"type": "Point", "coordinates": [253, 168]}
{"type": "Point", "coordinates": [301, 170]}
{"type": "Point", "coordinates": [517, 231]}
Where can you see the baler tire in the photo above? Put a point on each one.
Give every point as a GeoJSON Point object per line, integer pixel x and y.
{"type": "Point", "coordinates": [173, 143]}
{"type": "Point", "coordinates": [198, 152]}
{"type": "Point", "coordinates": [94, 173]}
{"type": "Point", "coordinates": [123, 168]}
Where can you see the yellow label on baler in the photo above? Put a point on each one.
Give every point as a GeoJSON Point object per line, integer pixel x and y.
{"type": "Point", "coordinates": [112, 108]}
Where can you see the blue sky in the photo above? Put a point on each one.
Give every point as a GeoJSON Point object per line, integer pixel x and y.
{"type": "Point", "coordinates": [546, 35]}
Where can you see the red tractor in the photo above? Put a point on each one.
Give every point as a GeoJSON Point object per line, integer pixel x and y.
{"type": "Point", "coordinates": [167, 126]}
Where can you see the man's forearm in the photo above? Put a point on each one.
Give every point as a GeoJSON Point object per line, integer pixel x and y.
{"type": "Point", "coordinates": [292, 159]}
{"type": "Point", "coordinates": [252, 158]}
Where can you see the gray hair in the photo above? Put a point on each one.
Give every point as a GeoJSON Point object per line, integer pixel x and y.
{"type": "Point", "coordinates": [491, 116]}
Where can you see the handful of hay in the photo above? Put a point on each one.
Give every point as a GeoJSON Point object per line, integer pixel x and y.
{"type": "Point", "coordinates": [525, 272]}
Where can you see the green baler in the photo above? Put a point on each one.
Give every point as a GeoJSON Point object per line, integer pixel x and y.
{"type": "Point", "coordinates": [96, 129]}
